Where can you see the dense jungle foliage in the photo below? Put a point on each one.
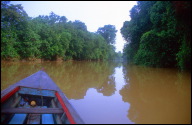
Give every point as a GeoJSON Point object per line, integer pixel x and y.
{"type": "Point", "coordinates": [159, 34]}
{"type": "Point", "coordinates": [51, 37]}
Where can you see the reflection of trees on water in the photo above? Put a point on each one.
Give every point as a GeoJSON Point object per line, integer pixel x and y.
{"type": "Point", "coordinates": [156, 95]}
{"type": "Point", "coordinates": [108, 86]}
{"type": "Point", "coordinates": [73, 77]}
{"type": "Point", "coordinates": [12, 72]}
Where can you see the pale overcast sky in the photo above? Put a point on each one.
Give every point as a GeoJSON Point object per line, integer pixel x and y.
{"type": "Point", "coordinates": [94, 14]}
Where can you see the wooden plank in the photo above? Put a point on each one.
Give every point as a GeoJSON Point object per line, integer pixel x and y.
{"type": "Point", "coordinates": [32, 110]}
{"type": "Point", "coordinates": [39, 92]}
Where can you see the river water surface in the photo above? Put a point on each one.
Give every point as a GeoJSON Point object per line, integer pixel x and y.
{"type": "Point", "coordinates": [106, 92]}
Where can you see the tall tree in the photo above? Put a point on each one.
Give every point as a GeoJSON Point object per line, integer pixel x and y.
{"type": "Point", "coordinates": [13, 25]}
{"type": "Point", "coordinates": [108, 32]}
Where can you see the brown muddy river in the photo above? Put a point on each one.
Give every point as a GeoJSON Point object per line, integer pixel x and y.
{"type": "Point", "coordinates": [106, 92]}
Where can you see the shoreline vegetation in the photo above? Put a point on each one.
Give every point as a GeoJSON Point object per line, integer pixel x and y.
{"type": "Point", "coordinates": [43, 60]}
{"type": "Point", "coordinates": [158, 35]}
{"type": "Point", "coordinates": [52, 37]}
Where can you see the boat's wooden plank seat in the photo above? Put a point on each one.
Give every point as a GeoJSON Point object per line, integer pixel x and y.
{"type": "Point", "coordinates": [39, 92]}
{"type": "Point", "coordinates": [32, 110]}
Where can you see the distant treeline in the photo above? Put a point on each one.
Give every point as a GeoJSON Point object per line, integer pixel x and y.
{"type": "Point", "coordinates": [52, 37]}
{"type": "Point", "coordinates": [159, 34]}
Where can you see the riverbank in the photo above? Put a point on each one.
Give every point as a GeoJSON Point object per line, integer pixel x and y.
{"type": "Point", "coordinates": [46, 60]}
{"type": "Point", "coordinates": [32, 60]}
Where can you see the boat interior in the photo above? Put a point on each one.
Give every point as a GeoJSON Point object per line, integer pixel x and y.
{"type": "Point", "coordinates": [33, 106]}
